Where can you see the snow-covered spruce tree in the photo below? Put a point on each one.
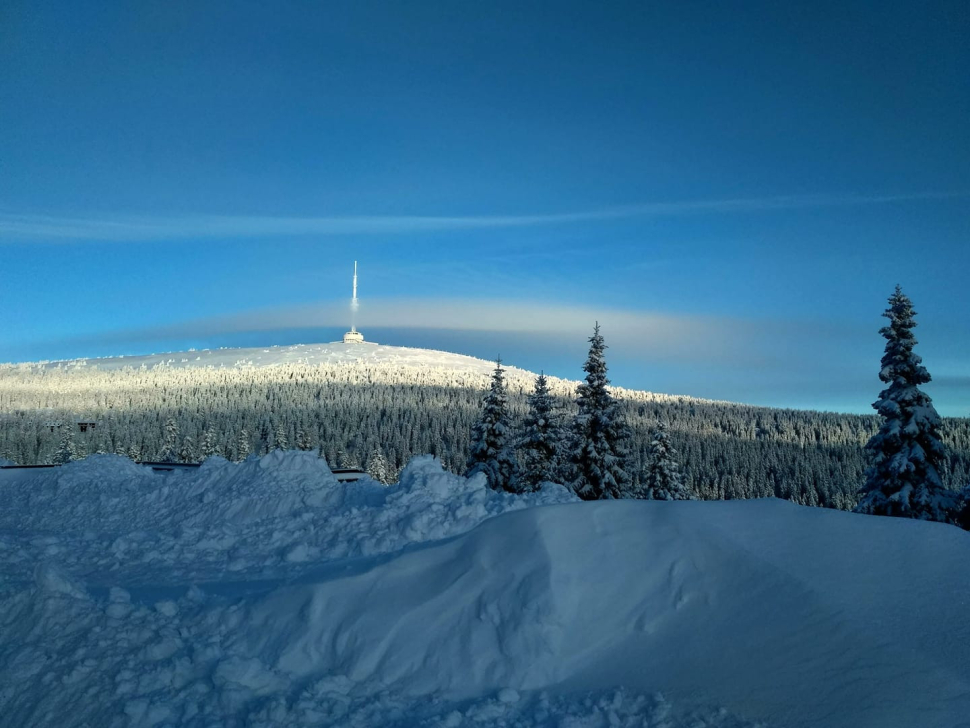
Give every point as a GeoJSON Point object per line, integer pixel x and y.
{"type": "Point", "coordinates": [906, 455]}
{"type": "Point", "coordinates": [208, 446]}
{"type": "Point", "coordinates": [68, 450]}
{"type": "Point", "coordinates": [170, 443]}
{"type": "Point", "coordinates": [303, 439]}
{"type": "Point", "coordinates": [280, 441]}
{"type": "Point", "coordinates": [242, 446]}
{"type": "Point", "coordinates": [600, 435]}
{"type": "Point", "coordinates": [187, 451]}
{"type": "Point", "coordinates": [490, 451]}
{"type": "Point", "coordinates": [539, 446]}
{"type": "Point", "coordinates": [347, 461]}
{"type": "Point", "coordinates": [664, 480]}
{"type": "Point", "coordinates": [377, 467]}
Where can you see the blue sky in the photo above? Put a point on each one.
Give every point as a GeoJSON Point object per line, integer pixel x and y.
{"type": "Point", "coordinates": [732, 189]}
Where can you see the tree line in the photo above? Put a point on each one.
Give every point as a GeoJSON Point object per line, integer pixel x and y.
{"type": "Point", "coordinates": [907, 456]}
{"type": "Point", "coordinates": [590, 453]}
{"type": "Point", "coordinates": [379, 414]}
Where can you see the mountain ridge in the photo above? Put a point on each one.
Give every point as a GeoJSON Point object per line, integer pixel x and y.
{"type": "Point", "coordinates": [340, 353]}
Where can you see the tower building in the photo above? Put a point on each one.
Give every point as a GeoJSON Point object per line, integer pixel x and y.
{"type": "Point", "coordinates": [354, 336]}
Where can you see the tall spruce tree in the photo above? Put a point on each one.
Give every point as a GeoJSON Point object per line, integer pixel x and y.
{"type": "Point", "coordinates": [491, 453]}
{"type": "Point", "coordinates": [600, 436]}
{"type": "Point", "coordinates": [303, 439]}
{"type": "Point", "coordinates": [187, 451]}
{"type": "Point", "coordinates": [169, 453]}
{"type": "Point", "coordinates": [208, 446]}
{"type": "Point", "coordinates": [906, 455]}
{"type": "Point", "coordinates": [664, 480]}
{"type": "Point", "coordinates": [377, 467]}
{"type": "Point", "coordinates": [242, 446]}
{"type": "Point", "coordinates": [280, 440]}
{"type": "Point", "coordinates": [67, 450]}
{"type": "Point", "coordinates": [541, 440]}
{"type": "Point", "coordinates": [347, 460]}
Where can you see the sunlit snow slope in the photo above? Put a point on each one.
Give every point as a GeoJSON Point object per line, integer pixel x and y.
{"type": "Point", "coordinates": [266, 594]}
{"type": "Point", "coordinates": [333, 353]}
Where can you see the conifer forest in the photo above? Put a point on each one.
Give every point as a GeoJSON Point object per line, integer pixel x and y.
{"type": "Point", "coordinates": [377, 415]}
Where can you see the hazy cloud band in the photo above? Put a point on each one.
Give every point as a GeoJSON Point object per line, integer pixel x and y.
{"type": "Point", "coordinates": [637, 334]}
{"type": "Point", "coordinates": [22, 228]}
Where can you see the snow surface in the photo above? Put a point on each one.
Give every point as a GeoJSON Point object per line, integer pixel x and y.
{"type": "Point", "coordinates": [392, 360]}
{"type": "Point", "coordinates": [109, 520]}
{"type": "Point", "coordinates": [333, 353]}
{"type": "Point", "coordinates": [267, 594]}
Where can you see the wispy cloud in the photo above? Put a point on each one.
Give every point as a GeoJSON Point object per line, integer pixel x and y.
{"type": "Point", "coordinates": [24, 228]}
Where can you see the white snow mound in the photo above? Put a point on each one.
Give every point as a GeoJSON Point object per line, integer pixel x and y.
{"type": "Point", "coordinates": [109, 520]}
{"type": "Point", "coordinates": [440, 602]}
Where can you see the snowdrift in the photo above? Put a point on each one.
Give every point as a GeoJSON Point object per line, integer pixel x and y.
{"type": "Point", "coordinates": [439, 602]}
{"type": "Point", "coordinates": [111, 521]}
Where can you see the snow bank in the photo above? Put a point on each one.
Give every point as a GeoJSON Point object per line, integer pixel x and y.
{"type": "Point", "coordinates": [439, 602]}
{"type": "Point", "coordinates": [751, 605]}
{"type": "Point", "coordinates": [109, 520]}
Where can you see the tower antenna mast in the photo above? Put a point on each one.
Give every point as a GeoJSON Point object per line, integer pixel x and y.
{"type": "Point", "coordinates": [354, 301]}
{"type": "Point", "coordinates": [354, 336]}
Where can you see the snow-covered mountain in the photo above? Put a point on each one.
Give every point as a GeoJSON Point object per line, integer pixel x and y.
{"type": "Point", "coordinates": [313, 354]}
{"type": "Point", "coordinates": [348, 401]}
